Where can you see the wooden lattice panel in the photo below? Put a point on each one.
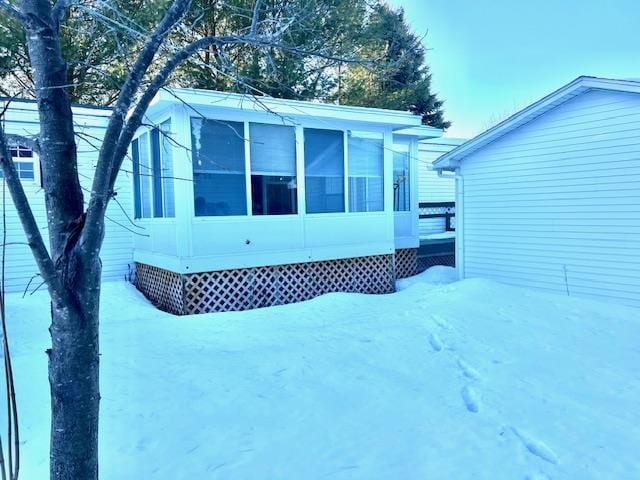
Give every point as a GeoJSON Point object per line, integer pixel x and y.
{"type": "Point", "coordinates": [162, 287]}
{"type": "Point", "coordinates": [406, 262]}
{"type": "Point", "coordinates": [246, 288]}
{"type": "Point", "coordinates": [221, 291]}
{"type": "Point", "coordinates": [448, 260]}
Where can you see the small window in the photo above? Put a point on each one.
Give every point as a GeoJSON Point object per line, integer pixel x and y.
{"type": "Point", "coordinates": [166, 156]}
{"type": "Point", "coordinates": [273, 169]}
{"type": "Point", "coordinates": [23, 159]}
{"type": "Point", "coordinates": [324, 170]}
{"type": "Point", "coordinates": [153, 191]}
{"type": "Point", "coordinates": [401, 180]}
{"type": "Point", "coordinates": [218, 167]}
{"type": "Point", "coordinates": [366, 172]}
{"type": "Point", "coordinates": [145, 174]}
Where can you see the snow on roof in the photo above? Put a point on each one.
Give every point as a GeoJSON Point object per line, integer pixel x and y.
{"type": "Point", "coordinates": [577, 87]}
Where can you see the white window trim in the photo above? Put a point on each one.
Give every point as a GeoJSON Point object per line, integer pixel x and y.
{"type": "Point", "coordinates": [149, 175]}
{"type": "Point", "coordinates": [34, 160]}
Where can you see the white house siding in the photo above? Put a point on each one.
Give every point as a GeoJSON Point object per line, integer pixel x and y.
{"type": "Point", "coordinates": [117, 251]}
{"type": "Point", "coordinates": [431, 187]}
{"type": "Point", "coordinates": [560, 194]}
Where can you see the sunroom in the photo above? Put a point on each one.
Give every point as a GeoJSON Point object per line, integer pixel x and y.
{"type": "Point", "coordinates": [245, 202]}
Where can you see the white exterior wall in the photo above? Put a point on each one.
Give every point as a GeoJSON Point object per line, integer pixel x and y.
{"type": "Point", "coordinates": [117, 250]}
{"type": "Point", "coordinates": [561, 193]}
{"type": "Point", "coordinates": [431, 187]}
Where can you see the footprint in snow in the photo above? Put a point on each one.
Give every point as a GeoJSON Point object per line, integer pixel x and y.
{"type": "Point", "coordinates": [468, 371]}
{"type": "Point", "coordinates": [471, 399]}
{"type": "Point", "coordinates": [435, 342]}
{"type": "Point", "coordinates": [441, 322]}
{"type": "Point", "coordinates": [536, 447]}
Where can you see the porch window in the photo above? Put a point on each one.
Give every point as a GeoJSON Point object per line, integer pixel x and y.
{"type": "Point", "coordinates": [218, 167]}
{"type": "Point", "coordinates": [167, 171]}
{"type": "Point", "coordinates": [324, 170]}
{"type": "Point", "coordinates": [366, 172]}
{"type": "Point", "coordinates": [273, 169]}
{"type": "Point", "coordinates": [143, 176]}
{"type": "Point", "coordinates": [24, 161]}
{"type": "Point", "coordinates": [401, 179]}
{"type": "Point", "coordinates": [153, 192]}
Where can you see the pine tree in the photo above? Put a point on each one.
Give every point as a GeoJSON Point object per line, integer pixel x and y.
{"type": "Point", "coordinates": [393, 72]}
{"type": "Point", "coordinates": [399, 78]}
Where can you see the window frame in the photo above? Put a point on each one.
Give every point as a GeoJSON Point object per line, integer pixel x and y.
{"type": "Point", "coordinates": [345, 176]}
{"type": "Point", "coordinates": [299, 128]}
{"type": "Point", "coordinates": [249, 171]}
{"type": "Point", "coordinates": [247, 183]}
{"type": "Point", "coordinates": [403, 148]}
{"type": "Point", "coordinates": [153, 178]}
{"type": "Point", "coordinates": [33, 160]}
{"type": "Point", "coordinates": [377, 136]}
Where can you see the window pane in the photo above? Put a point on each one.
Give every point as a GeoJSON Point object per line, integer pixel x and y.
{"type": "Point", "coordinates": [218, 167]}
{"type": "Point", "coordinates": [166, 152]}
{"type": "Point", "coordinates": [137, 208]}
{"type": "Point", "coordinates": [25, 170]}
{"type": "Point", "coordinates": [156, 173]}
{"type": "Point", "coordinates": [401, 182]}
{"type": "Point", "coordinates": [324, 170]}
{"type": "Point", "coordinates": [146, 176]}
{"type": "Point", "coordinates": [25, 152]}
{"type": "Point", "coordinates": [366, 172]}
{"type": "Point", "coordinates": [273, 169]}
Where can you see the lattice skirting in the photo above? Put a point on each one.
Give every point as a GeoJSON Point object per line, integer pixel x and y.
{"type": "Point", "coordinates": [247, 288]}
{"type": "Point", "coordinates": [163, 287]}
{"type": "Point", "coordinates": [448, 260]}
{"type": "Point", "coordinates": [406, 260]}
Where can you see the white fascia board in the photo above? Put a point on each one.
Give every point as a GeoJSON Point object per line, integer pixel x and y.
{"type": "Point", "coordinates": [290, 108]}
{"type": "Point", "coordinates": [422, 132]}
{"type": "Point", "coordinates": [25, 113]}
{"type": "Point", "coordinates": [576, 87]}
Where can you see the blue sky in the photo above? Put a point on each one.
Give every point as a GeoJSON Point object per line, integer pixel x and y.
{"type": "Point", "coordinates": [490, 58]}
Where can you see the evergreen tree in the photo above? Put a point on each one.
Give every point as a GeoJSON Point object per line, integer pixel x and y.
{"type": "Point", "coordinates": [399, 78]}
{"type": "Point", "coordinates": [393, 73]}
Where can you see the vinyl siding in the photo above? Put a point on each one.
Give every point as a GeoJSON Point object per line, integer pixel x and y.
{"type": "Point", "coordinates": [559, 198]}
{"type": "Point", "coordinates": [432, 188]}
{"type": "Point", "coordinates": [117, 250]}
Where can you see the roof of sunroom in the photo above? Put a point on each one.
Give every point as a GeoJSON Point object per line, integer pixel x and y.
{"type": "Point", "coordinates": [580, 85]}
{"type": "Point", "coordinates": [404, 123]}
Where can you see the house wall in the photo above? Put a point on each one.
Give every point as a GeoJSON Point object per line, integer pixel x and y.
{"type": "Point", "coordinates": [117, 251]}
{"type": "Point", "coordinates": [189, 244]}
{"type": "Point", "coordinates": [559, 198]}
{"type": "Point", "coordinates": [431, 187]}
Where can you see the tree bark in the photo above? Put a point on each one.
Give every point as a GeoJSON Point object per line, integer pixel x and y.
{"type": "Point", "coordinates": [74, 380]}
{"type": "Point", "coordinates": [73, 357]}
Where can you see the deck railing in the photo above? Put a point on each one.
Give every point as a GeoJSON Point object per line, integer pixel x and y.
{"type": "Point", "coordinates": [446, 210]}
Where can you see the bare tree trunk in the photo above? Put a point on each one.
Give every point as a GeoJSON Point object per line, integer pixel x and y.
{"type": "Point", "coordinates": [73, 357]}
{"type": "Point", "coordinates": [73, 377]}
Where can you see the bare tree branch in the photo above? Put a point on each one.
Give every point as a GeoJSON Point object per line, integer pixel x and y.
{"type": "Point", "coordinates": [60, 9]}
{"type": "Point", "coordinates": [14, 140]}
{"type": "Point", "coordinates": [11, 10]}
{"type": "Point", "coordinates": [255, 18]}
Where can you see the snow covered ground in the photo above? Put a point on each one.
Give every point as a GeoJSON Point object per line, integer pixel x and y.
{"type": "Point", "coordinates": [453, 381]}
